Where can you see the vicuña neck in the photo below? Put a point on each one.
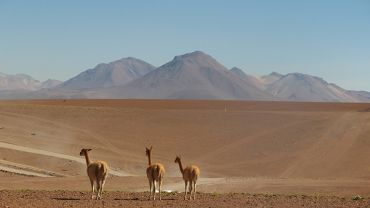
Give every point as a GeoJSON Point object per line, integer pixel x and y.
{"type": "Point", "coordinates": [87, 159]}
{"type": "Point", "coordinates": [149, 159]}
{"type": "Point", "coordinates": [180, 165]}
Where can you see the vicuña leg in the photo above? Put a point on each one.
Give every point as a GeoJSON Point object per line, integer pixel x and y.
{"type": "Point", "coordinates": [160, 186]}
{"type": "Point", "coordinates": [186, 189]}
{"type": "Point", "coordinates": [190, 189]}
{"type": "Point", "coordinates": [92, 189]}
{"type": "Point", "coordinates": [150, 189]}
{"type": "Point", "coordinates": [98, 185]}
{"type": "Point", "coordinates": [154, 188]}
{"type": "Point", "coordinates": [195, 188]}
{"type": "Point", "coordinates": [102, 187]}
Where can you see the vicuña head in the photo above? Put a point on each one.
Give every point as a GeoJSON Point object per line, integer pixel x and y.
{"type": "Point", "coordinates": [83, 152]}
{"type": "Point", "coordinates": [154, 172]}
{"type": "Point", "coordinates": [190, 175]}
{"type": "Point", "coordinates": [97, 172]}
{"type": "Point", "coordinates": [148, 151]}
{"type": "Point", "coordinates": [178, 159]}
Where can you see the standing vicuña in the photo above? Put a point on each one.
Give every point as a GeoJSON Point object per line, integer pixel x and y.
{"type": "Point", "coordinates": [190, 175]}
{"type": "Point", "coordinates": [97, 172]}
{"type": "Point", "coordinates": [154, 172]}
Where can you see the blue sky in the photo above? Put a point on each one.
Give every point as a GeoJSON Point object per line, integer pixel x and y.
{"type": "Point", "coordinates": [59, 39]}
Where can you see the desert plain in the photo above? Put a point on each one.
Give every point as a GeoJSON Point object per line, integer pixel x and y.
{"type": "Point", "coordinates": [251, 154]}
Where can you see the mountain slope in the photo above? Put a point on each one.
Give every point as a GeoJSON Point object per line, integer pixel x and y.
{"type": "Point", "coordinates": [50, 83]}
{"type": "Point", "coordinates": [271, 78]}
{"type": "Point", "coordinates": [248, 78]}
{"type": "Point", "coordinates": [360, 96]}
{"type": "Point", "coordinates": [112, 74]}
{"type": "Point", "coordinates": [190, 76]}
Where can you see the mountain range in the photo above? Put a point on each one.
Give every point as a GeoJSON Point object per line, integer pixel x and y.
{"type": "Point", "coordinates": [193, 75]}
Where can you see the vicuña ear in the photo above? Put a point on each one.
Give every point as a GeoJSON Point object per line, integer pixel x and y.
{"type": "Point", "coordinates": [89, 149]}
{"type": "Point", "coordinates": [151, 147]}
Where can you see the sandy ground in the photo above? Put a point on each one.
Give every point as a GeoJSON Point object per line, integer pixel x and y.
{"type": "Point", "coordinates": [245, 147]}
{"type": "Point", "coordinates": [343, 188]}
{"type": "Point", "coordinates": [124, 199]}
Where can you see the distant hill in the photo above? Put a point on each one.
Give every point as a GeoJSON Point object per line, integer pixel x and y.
{"type": "Point", "coordinates": [112, 74]}
{"type": "Point", "coordinates": [302, 87]}
{"type": "Point", "coordinates": [18, 82]}
{"type": "Point", "coordinates": [23, 82]}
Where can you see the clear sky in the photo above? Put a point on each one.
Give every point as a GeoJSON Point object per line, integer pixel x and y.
{"type": "Point", "coordinates": [59, 39]}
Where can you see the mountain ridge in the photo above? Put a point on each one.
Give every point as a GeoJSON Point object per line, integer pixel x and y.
{"type": "Point", "coordinates": [194, 75]}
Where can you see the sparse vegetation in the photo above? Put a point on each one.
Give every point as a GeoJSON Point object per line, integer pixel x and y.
{"type": "Point", "coordinates": [357, 197]}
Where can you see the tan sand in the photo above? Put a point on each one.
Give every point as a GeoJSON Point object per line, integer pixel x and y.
{"type": "Point", "coordinates": [254, 147]}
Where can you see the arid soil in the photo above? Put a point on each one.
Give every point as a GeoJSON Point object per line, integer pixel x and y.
{"type": "Point", "coordinates": [241, 147]}
{"type": "Point", "coordinates": [28, 198]}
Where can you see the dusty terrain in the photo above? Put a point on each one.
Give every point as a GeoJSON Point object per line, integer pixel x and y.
{"type": "Point", "coordinates": [124, 199]}
{"type": "Point", "coordinates": [245, 147]}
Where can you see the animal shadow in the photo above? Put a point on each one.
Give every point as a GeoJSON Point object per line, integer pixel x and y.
{"type": "Point", "coordinates": [65, 199]}
{"type": "Point", "coordinates": [138, 199]}
{"type": "Point", "coordinates": [127, 199]}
